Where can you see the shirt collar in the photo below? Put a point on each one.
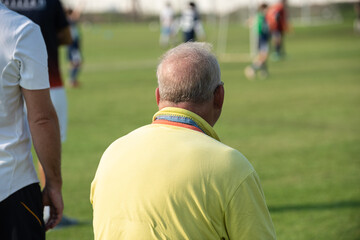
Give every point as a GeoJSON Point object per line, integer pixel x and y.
{"type": "Point", "coordinates": [183, 113]}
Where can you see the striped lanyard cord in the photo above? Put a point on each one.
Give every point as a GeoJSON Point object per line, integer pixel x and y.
{"type": "Point", "coordinates": [180, 120]}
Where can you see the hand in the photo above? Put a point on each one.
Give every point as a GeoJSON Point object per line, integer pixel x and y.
{"type": "Point", "coordinates": [52, 197]}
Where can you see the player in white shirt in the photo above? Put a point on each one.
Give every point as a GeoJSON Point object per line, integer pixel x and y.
{"type": "Point", "coordinates": [166, 22]}
{"type": "Point", "coordinates": [191, 25]}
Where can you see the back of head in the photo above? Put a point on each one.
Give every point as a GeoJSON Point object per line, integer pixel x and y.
{"type": "Point", "coordinates": [69, 11]}
{"type": "Point", "coordinates": [263, 7]}
{"type": "Point", "coordinates": [192, 4]}
{"type": "Point", "coordinates": [188, 73]}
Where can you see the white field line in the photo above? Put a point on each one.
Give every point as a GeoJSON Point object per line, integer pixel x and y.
{"type": "Point", "coordinates": [150, 63]}
{"type": "Point", "coordinates": [119, 65]}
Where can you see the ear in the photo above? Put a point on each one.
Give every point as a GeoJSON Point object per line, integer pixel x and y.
{"type": "Point", "coordinates": [157, 96]}
{"type": "Point", "coordinates": [219, 95]}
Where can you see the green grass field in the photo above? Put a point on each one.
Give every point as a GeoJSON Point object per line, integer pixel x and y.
{"type": "Point", "coordinates": [300, 128]}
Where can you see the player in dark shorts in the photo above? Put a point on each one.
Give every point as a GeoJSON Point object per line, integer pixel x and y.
{"type": "Point", "coordinates": [263, 35]}
{"type": "Point", "coordinates": [74, 49]}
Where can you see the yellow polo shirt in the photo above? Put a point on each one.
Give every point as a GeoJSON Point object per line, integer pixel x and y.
{"type": "Point", "coordinates": [165, 181]}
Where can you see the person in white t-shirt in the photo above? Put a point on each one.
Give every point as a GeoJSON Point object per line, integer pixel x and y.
{"type": "Point", "coordinates": [191, 25]}
{"type": "Point", "coordinates": [24, 80]}
{"type": "Point", "coordinates": [166, 22]}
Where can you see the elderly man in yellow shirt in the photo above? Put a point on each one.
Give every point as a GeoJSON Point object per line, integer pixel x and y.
{"type": "Point", "coordinates": [174, 179]}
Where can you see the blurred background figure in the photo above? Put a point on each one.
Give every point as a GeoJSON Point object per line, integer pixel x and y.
{"type": "Point", "coordinates": [357, 17]}
{"type": "Point", "coordinates": [51, 18]}
{"type": "Point", "coordinates": [166, 23]}
{"type": "Point", "coordinates": [277, 19]}
{"type": "Point", "coordinates": [263, 34]}
{"type": "Point", "coordinates": [191, 25]}
{"type": "Point", "coordinates": [74, 49]}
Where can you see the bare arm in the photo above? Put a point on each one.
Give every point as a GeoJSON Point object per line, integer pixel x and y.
{"type": "Point", "coordinates": [64, 36]}
{"type": "Point", "coordinates": [45, 133]}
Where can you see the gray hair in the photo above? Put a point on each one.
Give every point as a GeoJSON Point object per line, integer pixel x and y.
{"type": "Point", "coordinates": [188, 73]}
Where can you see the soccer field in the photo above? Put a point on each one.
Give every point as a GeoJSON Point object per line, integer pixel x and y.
{"type": "Point", "coordinates": [300, 128]}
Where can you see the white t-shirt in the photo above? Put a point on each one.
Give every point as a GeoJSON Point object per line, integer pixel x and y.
{"type": "Point", "coordinates": [166, 17]}
{"type": "Point", "coordinates": [23, 64]}
{"type": "Point", "coordinates": [188, 20]}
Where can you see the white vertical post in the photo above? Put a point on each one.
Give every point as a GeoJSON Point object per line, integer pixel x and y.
{"type": "Point", "coordinates": [223, 31]}
{"type": "Point", "coordinates": [306, 13]}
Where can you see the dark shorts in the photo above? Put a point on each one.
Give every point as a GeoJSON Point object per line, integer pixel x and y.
{"type": "Point", "coordinates": [74, 53]}
{"type": "Point", "coordinates": [189, 36]}
{"type": "Point", "coordinates": [263, 44]}
{"type": "Point", "coordinates": [21, 215]}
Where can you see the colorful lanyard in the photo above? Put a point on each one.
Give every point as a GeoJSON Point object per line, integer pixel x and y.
{"type": "Point", "coordinates": [178, 121]}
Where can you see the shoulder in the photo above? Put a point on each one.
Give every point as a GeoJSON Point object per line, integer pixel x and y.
{"type": "Point", "coordinates": [190, 143]}
{"type": "Point", "coordinates": [15, 26]}
{"type": "Point", "coordinates": [131, 137]}
{"type": "Point", "coordinates": [12, 19]}
{"type": "Point", "coordinates": [232, 161]}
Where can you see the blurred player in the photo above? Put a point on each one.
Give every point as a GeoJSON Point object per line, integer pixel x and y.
{"type": "Point", "coordinates": [74, 49]}
{"type": "Point", "coordinates": [277, 19]}
{"type": "Point", "coordinates": [190, 24]}
{"type": "Point", "coordinates": [166, 22]}
{"type": "Point", "coordinates": [263, 34]}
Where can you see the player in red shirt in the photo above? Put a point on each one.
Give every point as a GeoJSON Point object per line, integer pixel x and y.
{"type": "Point", "coordinates": [276, 17]}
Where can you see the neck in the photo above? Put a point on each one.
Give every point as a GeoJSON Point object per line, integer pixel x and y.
{"type": "Point", "coordinates": [204, 110]}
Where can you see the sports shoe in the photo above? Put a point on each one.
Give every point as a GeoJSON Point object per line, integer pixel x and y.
{"type": "Point", "coordinates": [66, 222]}
{"type": "Point", "coordinates": [263, 74]}
{"type": "Point", "coordinates": [249, 73]}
